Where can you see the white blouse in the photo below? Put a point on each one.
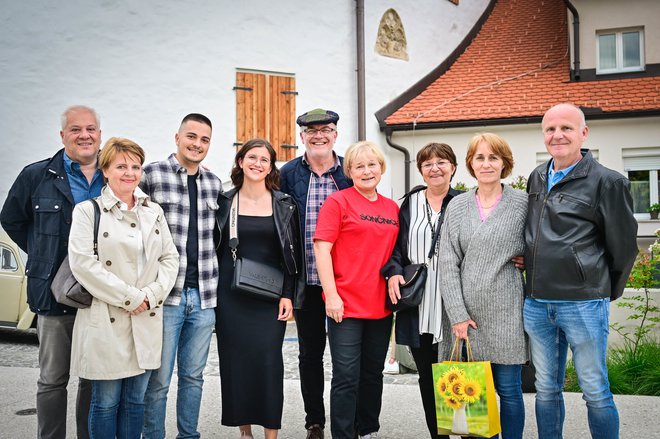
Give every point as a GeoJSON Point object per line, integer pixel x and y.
{"type": "Point", "coordinates": [420, 237]}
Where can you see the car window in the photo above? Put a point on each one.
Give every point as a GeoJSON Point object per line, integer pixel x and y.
{"type": "Point", "coordinates": [8, 261]}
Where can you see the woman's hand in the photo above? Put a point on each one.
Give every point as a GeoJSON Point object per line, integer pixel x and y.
{"type": "Point", "coordinates": [393, 287]}
{"type": "Point", "coordinates": [519, 262]}
{"type": "Point", "coordinates": [334, 307]}
{"type": "Point", "coordinates": [142, 308]}
{"type": "Point", "coordinates": [460, 330]}
{"type": "Point", "coordinates": [286, 308]}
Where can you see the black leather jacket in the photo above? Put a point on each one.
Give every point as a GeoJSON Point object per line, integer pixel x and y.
{"type": "Point", "coordinates": [285, 214]}
{"type": "Point", "coordinates": [581, 236]}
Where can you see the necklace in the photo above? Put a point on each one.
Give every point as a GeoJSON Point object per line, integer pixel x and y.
{"type": "Point", "coordinates": [428, 218]}
{"type": "Point", "coordinates": [497, 200]}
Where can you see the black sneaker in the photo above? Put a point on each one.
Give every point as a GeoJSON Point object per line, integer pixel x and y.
{"type": "Point", "coordinates": [315, 432]}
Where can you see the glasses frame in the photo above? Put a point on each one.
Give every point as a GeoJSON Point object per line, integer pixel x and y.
{"type": "Point", "coordinates": [325, 131]}
{"type": "Point", "coordinates": [443, 164]}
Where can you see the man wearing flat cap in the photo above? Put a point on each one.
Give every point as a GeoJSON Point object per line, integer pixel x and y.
{"type": "Point", "coordinates": [310, 179]}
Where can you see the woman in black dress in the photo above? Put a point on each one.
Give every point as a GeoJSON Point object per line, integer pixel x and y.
{"type": "Point", "coordinates": [250, 330]}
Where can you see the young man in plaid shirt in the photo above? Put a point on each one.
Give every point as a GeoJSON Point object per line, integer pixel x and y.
{"type": "Point", "coordinates": [188, 194]}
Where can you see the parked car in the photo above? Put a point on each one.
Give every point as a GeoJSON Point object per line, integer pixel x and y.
{"type": "Point", "coordinates": [14, 310]}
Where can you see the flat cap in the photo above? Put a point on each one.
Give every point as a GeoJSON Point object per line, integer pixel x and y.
{"type": "Point", "coordinates": [317, 116]}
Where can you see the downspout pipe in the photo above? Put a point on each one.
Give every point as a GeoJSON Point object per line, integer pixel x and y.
{"type": "Point", "coordinates": [576, 39]}
{"type": "Point", "coordinates": [406, 158]}
{"type": "Point", "coordinates": [359, 19]}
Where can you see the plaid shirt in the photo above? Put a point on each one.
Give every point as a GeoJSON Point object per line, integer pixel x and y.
{"type": "Point", "coordinates": [320, 188]}
{"type": "Point", "coordinates": [166, 182]}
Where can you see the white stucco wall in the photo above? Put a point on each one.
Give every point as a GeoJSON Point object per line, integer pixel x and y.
{"type": "Point", "coordinates": [144, 65]}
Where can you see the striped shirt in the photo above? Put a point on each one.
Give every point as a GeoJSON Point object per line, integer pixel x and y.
{"type": "Point", "coordinates": [166, 182]}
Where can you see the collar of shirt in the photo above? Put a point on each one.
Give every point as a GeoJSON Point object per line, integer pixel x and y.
{"type": "Point", "coordinates": [81, 189]}
{"type": "Point", "coordinates": [71, 167]}
{"type": "Point", "coordinates": [334, 166]}
{"type": "Point", "coordinates": [555, 177]}
{"type": "Point", "coordinates": [138, 197]}
{"type": "Point", "coordinates": [179, 169]}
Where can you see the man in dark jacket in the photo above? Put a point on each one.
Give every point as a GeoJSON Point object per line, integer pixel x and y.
{"type": "Point", "coordinates": [37, 216]}
{"type": "Point", "coordinates": [581, 245]}
{"type": "Point", "coordinates": [310, 179]}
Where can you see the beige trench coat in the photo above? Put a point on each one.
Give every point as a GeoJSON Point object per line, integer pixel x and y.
{"type": "Point", "coordinates": [108, 342]}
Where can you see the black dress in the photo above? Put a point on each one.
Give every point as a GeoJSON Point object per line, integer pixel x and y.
{"type": "Point", "coordinates": [249, 335]}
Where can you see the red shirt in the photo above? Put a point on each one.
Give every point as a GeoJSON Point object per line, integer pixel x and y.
{"type": "Point", "coordinates": [363, 234]}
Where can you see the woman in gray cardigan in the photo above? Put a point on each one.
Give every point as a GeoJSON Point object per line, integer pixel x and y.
{"type": "Point", "coordinates": [482, 290]}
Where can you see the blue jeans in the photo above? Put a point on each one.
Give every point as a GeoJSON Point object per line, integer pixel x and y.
{"type": "Point", "coordinates": [187, 331]}
{"type": "Point", "coordinates": [552, 327]}
{"type": "Point", "coordinates": [358, 348]}
{"type": "Point", "coordinates": [508, 384]}
{"type": "Point", "coordinates": [117, 408]}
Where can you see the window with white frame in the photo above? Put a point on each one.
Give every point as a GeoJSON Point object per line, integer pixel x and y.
{"type": "Point", "coordinates": [643, 168]}
{"type": "Point", "coordinates": [620, 50]}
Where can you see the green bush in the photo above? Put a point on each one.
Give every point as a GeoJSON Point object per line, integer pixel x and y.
{"type": "Point", "coordinates": [630, 372]}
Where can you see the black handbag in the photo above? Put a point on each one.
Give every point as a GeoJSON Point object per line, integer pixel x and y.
{"type": "Point", "coordinates": [65, 288]}
{"type": "Point", "coordinates": [414, 276]}
{"type": "Point", "coordinates": [252, 278]}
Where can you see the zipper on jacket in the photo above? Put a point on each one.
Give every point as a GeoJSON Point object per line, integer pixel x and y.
{"type": "Point", "coordinates": [538, 229]}
{"type": "Point", "coordinates": [293, 255]}
{"type": "Point", "coordinates": [579, 264]}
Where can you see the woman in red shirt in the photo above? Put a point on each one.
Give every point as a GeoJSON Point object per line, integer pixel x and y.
{"type": "Point", "coordinates": [355, 234]}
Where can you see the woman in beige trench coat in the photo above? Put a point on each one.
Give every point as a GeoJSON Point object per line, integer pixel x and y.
{"type": "Point", "coordinates": [118, 339]}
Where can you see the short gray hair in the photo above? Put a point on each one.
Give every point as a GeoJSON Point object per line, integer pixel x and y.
{"type": "Point", "coordinates": [71, 109]}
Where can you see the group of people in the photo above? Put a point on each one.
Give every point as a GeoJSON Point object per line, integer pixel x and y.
{"type": "Point", "coordinates": [164, 275]}
{"type": "Point", "coordinates": [574, 234]}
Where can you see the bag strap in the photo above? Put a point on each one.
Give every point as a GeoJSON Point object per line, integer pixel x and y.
{"type": "Point", "coordinates": [456, 350]}
{"type": "Point", "coordinates": [97, 221]}
{"type": "Point", "coordinates": [436, 235]}
{"type": "Point", "coordinates": [233, 234]}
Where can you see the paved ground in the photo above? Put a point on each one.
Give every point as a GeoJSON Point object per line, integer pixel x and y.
{"type": "Point", "coordinates": [401, 416]}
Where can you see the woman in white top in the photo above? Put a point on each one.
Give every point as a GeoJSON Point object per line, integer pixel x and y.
{"type": "Point", "coordinates": [420, 328]}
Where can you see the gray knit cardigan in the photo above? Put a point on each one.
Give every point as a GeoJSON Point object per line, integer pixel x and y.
{"type": "Point", "coordinates": [479, 281]}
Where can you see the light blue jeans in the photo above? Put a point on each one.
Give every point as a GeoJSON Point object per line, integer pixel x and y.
{"type": "Point", "coordinates": [117, 408]}
{"type": "Point", "coordinates": [187, 331]}
{"type": "Point", "coordinates": [584, 325]}
{"type": "Point", "coordinates": [508, 384]}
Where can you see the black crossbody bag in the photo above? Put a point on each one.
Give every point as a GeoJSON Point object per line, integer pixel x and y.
{"type": "Point", "coordinates": [414, 276]}
{"type": "Point", "coordinates": [252, 278]}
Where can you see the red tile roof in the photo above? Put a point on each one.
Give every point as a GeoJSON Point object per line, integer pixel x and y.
{"type": "Point", "coordinates": [518, 66]}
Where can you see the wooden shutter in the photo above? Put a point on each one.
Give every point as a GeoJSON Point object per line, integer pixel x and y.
{"type": "Point", "coordinates": [266, 108]}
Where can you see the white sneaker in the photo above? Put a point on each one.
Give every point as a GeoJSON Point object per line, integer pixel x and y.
{"type": "Point", "coordinates": [391, 368]}
{"type": "Point", "coordinates": [370, 435]}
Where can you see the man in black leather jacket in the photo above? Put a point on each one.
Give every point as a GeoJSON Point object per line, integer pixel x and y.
{"type": "Point", "coordinates": [581, 245]}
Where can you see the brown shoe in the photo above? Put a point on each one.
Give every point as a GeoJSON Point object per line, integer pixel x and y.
{"type": "Point", "coordinates": [315, 432]}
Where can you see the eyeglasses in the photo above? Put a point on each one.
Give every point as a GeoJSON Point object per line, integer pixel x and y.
{"type": "Point", "coordinates": [252, 158]}
{"type": "Point", "coordinates": [441, 164]}
{"type": "Point", "coordinates": [313, 131]}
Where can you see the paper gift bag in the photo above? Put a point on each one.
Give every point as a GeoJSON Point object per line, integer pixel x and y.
{"type": "Point", "coordinates": [465, 401]}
